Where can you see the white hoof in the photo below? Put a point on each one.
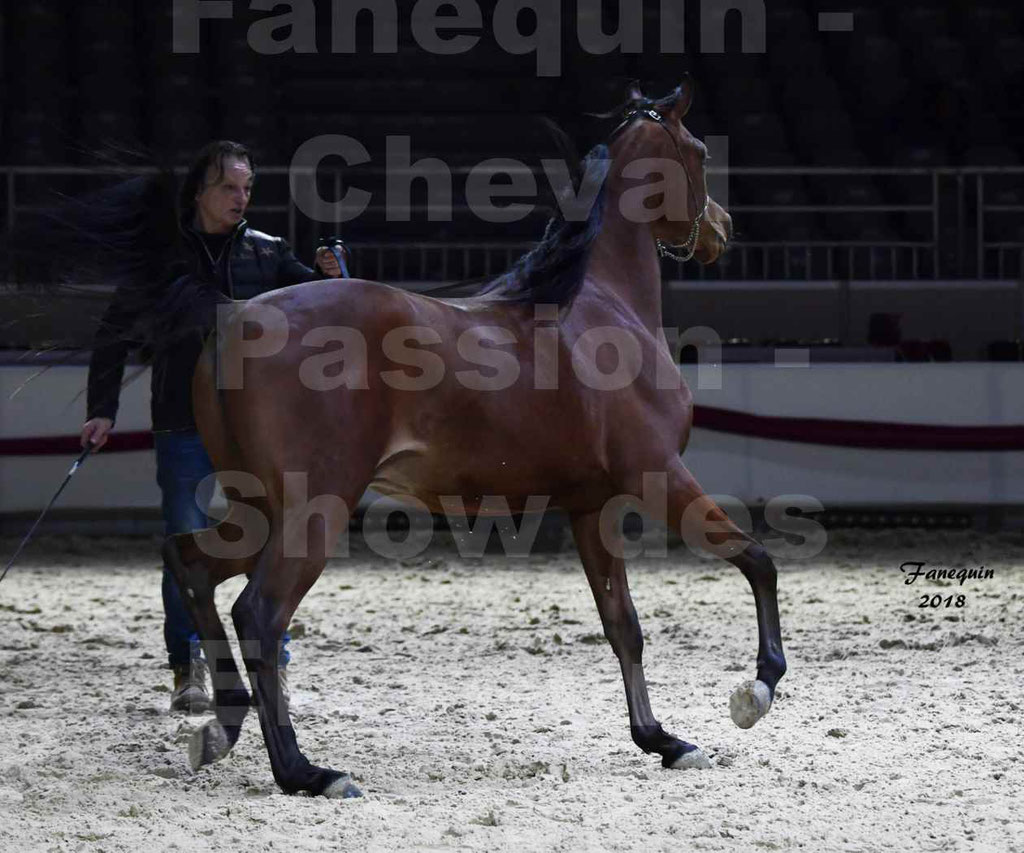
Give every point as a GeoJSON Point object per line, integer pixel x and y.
{"type": "Point", "coordinates": [342, 788]}
{"type": "Point", "coordinates": [749, 702]}
{"type": "Point", "coordinates": [208, 744]}
{"type": "Point", "coordinates": [695, 759]}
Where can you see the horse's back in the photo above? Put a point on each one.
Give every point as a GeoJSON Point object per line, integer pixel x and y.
{"type": "Point", "coordinates": [453, 397]}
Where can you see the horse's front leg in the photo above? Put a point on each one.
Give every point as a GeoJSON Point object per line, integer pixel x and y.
{"type": "Point", "coordinates": [703, 524]}
{"type": "Point", "coordinates": [606, 574]}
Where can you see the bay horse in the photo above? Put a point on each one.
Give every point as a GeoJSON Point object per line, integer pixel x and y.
{"type": "Point", "coordinates": [547, 432]}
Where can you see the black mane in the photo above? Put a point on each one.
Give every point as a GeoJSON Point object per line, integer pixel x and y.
{"type": "Point", "coordinates": [552, 271]}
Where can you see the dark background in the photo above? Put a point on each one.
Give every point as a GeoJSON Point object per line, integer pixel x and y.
{"type": "Point", "coordinates": [916, 85]}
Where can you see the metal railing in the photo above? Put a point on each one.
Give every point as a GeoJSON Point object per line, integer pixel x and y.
{"type": "Point", "coordinates": [967, 223]}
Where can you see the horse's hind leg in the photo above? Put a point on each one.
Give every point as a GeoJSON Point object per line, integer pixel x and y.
{"type": "Point", "coordinates": [198, 574]}
{"type": "Point", "coordinates": [261, 614]}
{"type": "Point", "coordinates": [704, 524]}
{"type": "Point", "coordinates": [607, 577]}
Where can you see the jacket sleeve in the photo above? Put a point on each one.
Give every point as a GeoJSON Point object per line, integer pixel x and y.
{"type": "Point", "coordinates": [109, 353]}
{"type": "Point", "coordinates": [290, 270]}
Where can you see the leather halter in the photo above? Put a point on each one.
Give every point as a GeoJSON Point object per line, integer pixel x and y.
{"type": "Point", "coordinates": [689, 248]}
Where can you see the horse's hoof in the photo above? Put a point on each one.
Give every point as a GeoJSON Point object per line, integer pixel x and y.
{"type": "Point", "coordinates": [749, 702]}
{"type": "Point", "coordinates": [208, 744]}
{"type": "Point", "coordinates": [695, 759]}
{"type": "Point", "coordinates": [342, 788]}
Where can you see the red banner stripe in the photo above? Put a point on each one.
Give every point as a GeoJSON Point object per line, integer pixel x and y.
{"type": "Point", "coordinates": [70, 445]}
{"type": "Point", "coordinates": [878, 435]}
{"type": "Point", "coordinates": [868, 434]}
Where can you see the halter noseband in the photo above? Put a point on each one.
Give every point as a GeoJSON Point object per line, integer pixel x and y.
{"type": "Point", "coordinates": [689, 248]}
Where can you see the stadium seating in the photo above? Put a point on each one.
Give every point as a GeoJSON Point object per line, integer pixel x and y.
{"type": "Point", "coordinates": [917, 84]}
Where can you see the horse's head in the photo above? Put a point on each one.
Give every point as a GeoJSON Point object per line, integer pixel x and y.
{"type": "Point", "coordinates": [693, 225]}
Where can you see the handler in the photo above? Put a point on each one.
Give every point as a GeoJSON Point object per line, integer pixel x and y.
{"type": "Point", "coordinates": [218, 249]}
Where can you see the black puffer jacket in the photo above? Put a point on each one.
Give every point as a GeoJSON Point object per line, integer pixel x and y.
{"type": "Point", "coordinates": [252, 263]}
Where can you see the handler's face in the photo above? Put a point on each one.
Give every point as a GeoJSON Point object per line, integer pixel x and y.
{"type": "Point", "coordinates": [221, 203]}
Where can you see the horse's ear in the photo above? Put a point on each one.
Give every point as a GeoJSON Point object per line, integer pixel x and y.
{"type": "Point", "coordinates": [633, 92]}
{"type": "Point", "coordinates": [684, 99]}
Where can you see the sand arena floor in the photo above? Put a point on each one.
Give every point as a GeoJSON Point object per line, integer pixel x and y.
{"type": "Point", "coordinates": [479, 707]}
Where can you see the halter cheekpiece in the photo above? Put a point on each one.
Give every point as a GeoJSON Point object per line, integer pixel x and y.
{"type": "Point", "coordinates": [689, 248]}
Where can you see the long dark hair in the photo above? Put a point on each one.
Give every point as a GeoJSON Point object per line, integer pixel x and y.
{"type": "Point", "coordinates": [127, 235]}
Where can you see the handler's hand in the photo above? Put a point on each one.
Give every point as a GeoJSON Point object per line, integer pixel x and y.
{"type": "Point", "coordinates": [96, 430]}
{"type": "Point", "coordinates": [327, 263]}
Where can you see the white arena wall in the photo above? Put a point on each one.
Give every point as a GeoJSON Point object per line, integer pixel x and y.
{"type": "Point", "coordinates": [754, 470]}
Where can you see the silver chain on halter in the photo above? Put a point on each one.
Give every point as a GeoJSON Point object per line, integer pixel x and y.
{"type": "Point", "coordinates": [689, 248]}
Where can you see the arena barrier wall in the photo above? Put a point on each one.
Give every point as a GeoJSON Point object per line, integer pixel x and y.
{"type": "Point", "coordinates": [846, 434]}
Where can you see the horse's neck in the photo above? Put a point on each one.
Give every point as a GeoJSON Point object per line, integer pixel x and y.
{"type": "Point", "coordinates": [624, 261]}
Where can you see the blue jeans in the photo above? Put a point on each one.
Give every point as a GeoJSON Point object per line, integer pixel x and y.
{"type": "Point", "coordinates": [181, 464]}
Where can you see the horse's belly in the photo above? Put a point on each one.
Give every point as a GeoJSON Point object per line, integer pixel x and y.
{"type": "Point", "coordinates": [482, 480]}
